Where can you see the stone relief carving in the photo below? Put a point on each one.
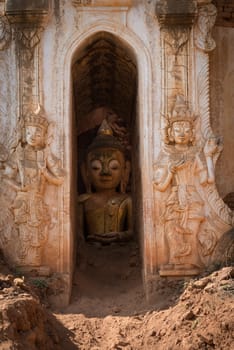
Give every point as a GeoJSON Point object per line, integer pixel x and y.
{"type": "Point", "coordinates": [105, 210]}
{"type": "Point", "coordinates": [81, 2]}
{"type": "Point", "coordinates": [203, 85]}
{"type": "Point", "coordinates": [28, 21]}
{"type": "Point", "coordinates": [27, 171]}
{"type": "Point", "coordinates": [192, 215]}
{"type": "Point", "coordinates": [101, 3]}
{"type": "Point", "coordinates": [27, 40]}
{"type": "Point", "coordinates": [6, 218]}
{"type": "Point", "coordinates": [176, 37]}
{"type": "Point", "coordinates": [212, 194]}
{"type": "Point", "coordinates": [184, 169]}
{"type": "Point", "coordinates": [174, 63]}
{"type": "Point", "coordinates": [5, 32]}
{"type": "Point", "coordinates": [207, 13]}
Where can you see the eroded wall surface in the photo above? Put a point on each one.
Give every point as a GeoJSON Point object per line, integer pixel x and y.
{"type": "Point", "coordinates": [222, 103]}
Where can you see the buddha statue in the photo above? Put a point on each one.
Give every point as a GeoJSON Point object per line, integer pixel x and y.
{"type": "Point", "coordinates": [105, 210]}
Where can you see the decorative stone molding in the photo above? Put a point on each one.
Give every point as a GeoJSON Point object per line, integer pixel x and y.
{"type": "Point", "coordinates": [175, 37]}
{"type": "Point", "coordinates": [28, 19]}
{"type": "Point", "coordinates": [35, 11]}
{"type": "Point", "coordinates": [207, 13]}
{"type": "Point", "coordinates": [175, 19]}
{"type": "Point", "coordinates": [220, 215]}
{"type": "Point", "coordinates": [97, 3]}
{"type": "Point", "coordinates": [175, 51]}
{"type": "Point", "coordinates": [5, 32]}
{"type": "Point", "coordinates": [170, 12]}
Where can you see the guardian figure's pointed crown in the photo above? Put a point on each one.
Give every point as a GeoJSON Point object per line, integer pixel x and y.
{"type": "Point", "coordinates": [37, 117]}
{"type": "Point", "coordinates": [180, 112]}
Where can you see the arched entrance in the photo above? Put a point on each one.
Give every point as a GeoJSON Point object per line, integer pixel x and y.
{"type": "Point", "coordinates": [140, 115]}
{"type": "Point", "coordinates": [104, 81]}
{"type": "Point", "coordinates": [104, 77]}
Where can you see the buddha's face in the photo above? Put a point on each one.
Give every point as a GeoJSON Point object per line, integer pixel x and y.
{"type": "Point", "coordinates": [105, 168]}
{"type": "Point", "coordinates": [35, 136]}
{"type": "Point", "coordinates": [181, 132]}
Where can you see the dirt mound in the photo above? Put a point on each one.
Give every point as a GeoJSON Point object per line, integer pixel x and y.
{"type": "Point", "coordinates": [201, 318]}
{"type": "Point", "coordinates": [192, 315]}
{"type": "Point", "coordinates": [24, 323]}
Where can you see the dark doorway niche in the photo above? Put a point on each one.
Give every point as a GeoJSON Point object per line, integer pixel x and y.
{"type": "Point", "coordinates": [104, 77]}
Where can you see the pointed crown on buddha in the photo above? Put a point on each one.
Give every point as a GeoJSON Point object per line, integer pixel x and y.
{"type": "Point", "coordinates": [36, 117]}
{"type": "Point", "coordinates": [105, 139]}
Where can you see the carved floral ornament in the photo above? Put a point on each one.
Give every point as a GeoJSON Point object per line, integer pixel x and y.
{"type": "Point", "coordinates": [175, 37]}
{"type": "Point", "coordinates": [28, 38]}
{"type": "Point", "coordinates": [184, 13]}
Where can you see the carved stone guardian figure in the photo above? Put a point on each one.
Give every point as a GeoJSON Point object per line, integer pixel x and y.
{"type": "Point", "coordinates": [105, 211]}
{"type": "Point", "coordinates": [31, 167]}
{"type": "Point", "coordinates": [181, 168]}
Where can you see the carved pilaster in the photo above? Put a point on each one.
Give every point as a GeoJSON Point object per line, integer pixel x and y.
{"type": "Point", "coordinates": [175, 54]}
{"type": "Point", "coordinates": [205, 44]}
{"type": "Point", "coordinates": [28, 20]}
{"type": "Point", "coordinates": [5, 32]}
{"type": "Point", "coordinates": [175, 19]}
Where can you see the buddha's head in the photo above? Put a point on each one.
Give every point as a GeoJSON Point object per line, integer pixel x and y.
{"type": "Point", "coordinates": [106, 167]}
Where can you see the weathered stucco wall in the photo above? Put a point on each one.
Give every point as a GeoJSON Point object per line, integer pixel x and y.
{"type": "Point", "coordinates": [170, 45]}
{"type": "Point", "coordinates": [222, 104]}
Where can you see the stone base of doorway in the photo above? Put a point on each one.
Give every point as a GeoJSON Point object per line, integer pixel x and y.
{"type": "Point", "coordinates": [55, 286]}
{"type": "Point", "coordinates": [34, 270]}
{"type": "Point", "coordinates": [178, 272]}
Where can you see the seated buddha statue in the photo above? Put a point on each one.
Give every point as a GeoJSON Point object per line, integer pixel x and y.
{"type": "Point", "coordinates": [105, 210]}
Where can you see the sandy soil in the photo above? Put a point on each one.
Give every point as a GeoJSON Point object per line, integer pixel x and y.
{"type": "Point", "coordinates": [108, 309]}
